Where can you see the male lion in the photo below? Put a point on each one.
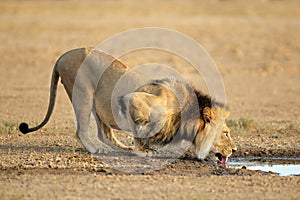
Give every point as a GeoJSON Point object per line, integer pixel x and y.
{"type": "Point", "coordinates": [156, 113]}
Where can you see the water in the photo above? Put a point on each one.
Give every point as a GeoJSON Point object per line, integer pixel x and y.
{"type": "Point", "coordinates": [282, 166]}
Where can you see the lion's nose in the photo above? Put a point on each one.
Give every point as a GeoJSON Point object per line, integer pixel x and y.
{"type": "Point", "coordinates": [233, 150]}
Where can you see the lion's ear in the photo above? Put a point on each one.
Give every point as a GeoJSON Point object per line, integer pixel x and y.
{"type": "Point", "coordinates": [207, 114]}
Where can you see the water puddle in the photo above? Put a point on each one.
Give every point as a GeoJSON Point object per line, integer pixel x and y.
{"type": "Point", "coordinates": [282, 166]}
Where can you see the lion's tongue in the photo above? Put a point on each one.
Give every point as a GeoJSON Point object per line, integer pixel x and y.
{"type": "Point", "coordinates": [224, 160]}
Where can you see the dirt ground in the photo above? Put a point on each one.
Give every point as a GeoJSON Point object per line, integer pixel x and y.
{"type": "Point", "coordinates": [255, 45]}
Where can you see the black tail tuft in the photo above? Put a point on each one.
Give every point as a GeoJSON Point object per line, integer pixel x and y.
{"type": "Point", "coordinates": [24, 128]}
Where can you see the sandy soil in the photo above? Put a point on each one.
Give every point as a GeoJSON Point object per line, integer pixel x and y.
{"type": "Point", "coordinates": [254, 44]}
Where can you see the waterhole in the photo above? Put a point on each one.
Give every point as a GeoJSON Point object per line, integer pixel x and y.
{"type": "Point", "coordinates": [281, 166]}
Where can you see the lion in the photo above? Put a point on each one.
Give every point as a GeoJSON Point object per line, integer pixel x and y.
{"type": "Point", "coordinates": [152, 112]}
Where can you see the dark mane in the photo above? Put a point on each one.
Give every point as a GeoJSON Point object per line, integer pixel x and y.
{"type": "Point", "coordinates": [206, 101]}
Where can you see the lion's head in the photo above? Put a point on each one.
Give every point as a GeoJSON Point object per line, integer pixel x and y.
{"type": "Point", "coordinates": [224, 146]}
{"type": "Point", "coordinates": [213, 134]}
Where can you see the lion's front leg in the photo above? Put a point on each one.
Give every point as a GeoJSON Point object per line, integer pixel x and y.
{"type": "Point", "coordinates": [139, 145]}
{"type": "Point", "coordinates": [109, 133]}
{"type": "Point", "coordinates": [142, 147]}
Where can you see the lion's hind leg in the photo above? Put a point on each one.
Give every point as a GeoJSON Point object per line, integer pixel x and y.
{"type": "Point", "coordinates": [83, 109]}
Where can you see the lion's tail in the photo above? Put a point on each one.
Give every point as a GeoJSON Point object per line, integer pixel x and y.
{"type": "Point", "coordinates": [53, 89]}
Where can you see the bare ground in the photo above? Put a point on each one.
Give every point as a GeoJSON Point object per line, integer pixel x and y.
{"type": "Point", "coordinates": [255, 45]}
